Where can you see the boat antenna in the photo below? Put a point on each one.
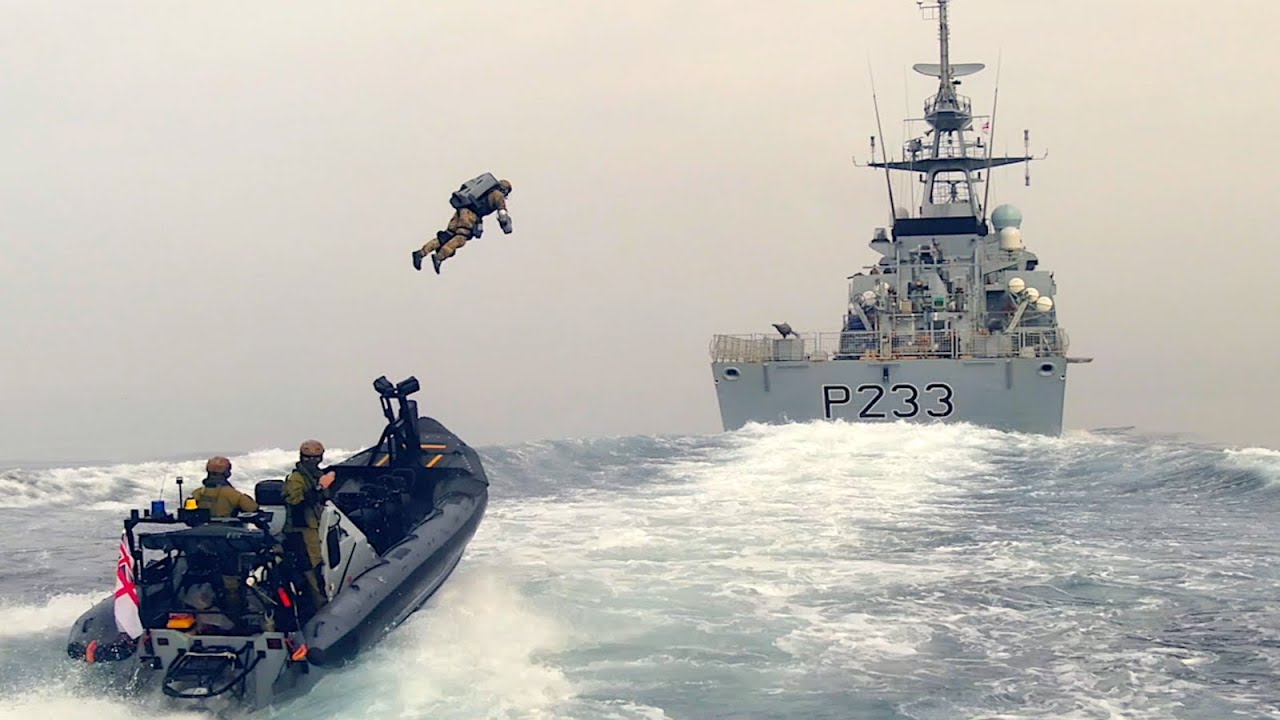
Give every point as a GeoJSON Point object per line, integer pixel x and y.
{"type": "Point", "coordinates": [179, 492]}
{"type": "Point", "coordinates": [991, 143]}
{"type": "Point", "coordinates": [906, 133]}
{"type": "Point", "coordinates": [879, 129]}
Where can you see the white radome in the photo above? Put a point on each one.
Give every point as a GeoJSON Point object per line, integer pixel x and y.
{"type": "Point", "coordinates": [1010, 239]}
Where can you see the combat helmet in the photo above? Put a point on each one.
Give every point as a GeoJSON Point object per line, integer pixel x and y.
{"type": "Point", "coordinates": [311, 448]}
{"type": "Point", "coordinates": [218, 465]}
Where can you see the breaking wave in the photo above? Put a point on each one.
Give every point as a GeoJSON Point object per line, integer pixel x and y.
{"type": "Point", "coordinates": [120, 487]}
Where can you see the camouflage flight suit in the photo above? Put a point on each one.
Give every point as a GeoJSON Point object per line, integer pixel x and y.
{"type": "Point", "coordinates": [463, 226]}
{"type": "Point", "coordinates": [305, 500]}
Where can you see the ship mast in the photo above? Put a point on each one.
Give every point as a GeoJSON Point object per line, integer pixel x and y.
{"type": "Point", "coordinates": [944, 42]}
{"type": "Point", "coordinates": [951, 163]}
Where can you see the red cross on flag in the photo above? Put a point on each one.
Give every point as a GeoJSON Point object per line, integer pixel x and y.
{"type": "Point", "coordinates": [126, 605]}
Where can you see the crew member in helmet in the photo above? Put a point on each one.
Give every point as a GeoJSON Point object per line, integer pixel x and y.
{"type": "Point", "coordinates": [216, 494]}
{"type": "Point", "coordinates": [305, 494]}
{"type": "Point", "coordinates": [467, 223]}
{"type": "Point", "coordinates": [223, 501]}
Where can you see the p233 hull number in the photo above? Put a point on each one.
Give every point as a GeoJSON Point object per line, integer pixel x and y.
{"type": "Point", "coordinates": [934, 400]}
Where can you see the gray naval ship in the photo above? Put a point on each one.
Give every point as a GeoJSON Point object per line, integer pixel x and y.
{"type": "Point", "coordinates": [957, 322]}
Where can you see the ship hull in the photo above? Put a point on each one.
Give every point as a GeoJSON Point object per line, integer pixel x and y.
{"type": "Point", "coordinates": [1013, 394]}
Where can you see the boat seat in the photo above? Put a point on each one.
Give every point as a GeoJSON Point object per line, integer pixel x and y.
{"type": "Point", "coordinates": [269, 492]}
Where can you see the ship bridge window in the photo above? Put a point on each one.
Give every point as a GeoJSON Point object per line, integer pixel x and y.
{"type": "Point", "coordinates": [949, 186]}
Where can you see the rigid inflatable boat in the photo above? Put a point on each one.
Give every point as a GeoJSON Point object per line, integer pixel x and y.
{"type": "Point", "coordinates": [207, 609]}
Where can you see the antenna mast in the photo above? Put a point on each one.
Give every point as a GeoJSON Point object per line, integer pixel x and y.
{"type": "Point", "coordinates": [944, 36]}
{"type": "Point", "coordinates": [893, 208]}
{"type": "Point", "coordinates": [951, 166]}
{"type": "Point", "coordinates": [991, 143]}
{"type": "Point", "coordinates": [1026, 145]}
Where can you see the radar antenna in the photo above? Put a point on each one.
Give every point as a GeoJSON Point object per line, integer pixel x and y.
{"type": "Point", "coordinates": [1026, 151]}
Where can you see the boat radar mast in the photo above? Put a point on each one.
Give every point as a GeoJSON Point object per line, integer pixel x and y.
{"type": "Point", "coordinates": [950, 163]}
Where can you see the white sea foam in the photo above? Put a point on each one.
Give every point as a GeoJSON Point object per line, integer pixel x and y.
{"type": "Point", "coordinates": [944, 572]}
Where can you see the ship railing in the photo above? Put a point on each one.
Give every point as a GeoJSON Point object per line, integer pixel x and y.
{"type": "Point", "coordinates": [1041, 342]}
{"type": "Point", "coordinates": [872, 345]}
{"type": "Point", "coordinates": [762, 347]}
{"type": "Point", "coordinates": [924, 151]}
{"type": "Point", "coordinates": [863, 344]}
{"type": "Point", "coordinates": [1026, 342]}
{"type": "Point", "coordinates": [962, 104]}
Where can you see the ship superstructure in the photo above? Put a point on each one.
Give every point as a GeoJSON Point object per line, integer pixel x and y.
{"type": "Point", "coordinates": [956, 321]}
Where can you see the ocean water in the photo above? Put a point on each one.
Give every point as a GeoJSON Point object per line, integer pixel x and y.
{"type": "Point", "coordinates": [799, 571]}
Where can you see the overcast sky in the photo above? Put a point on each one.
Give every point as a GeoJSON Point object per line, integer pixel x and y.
{"type": "Point", "coordinates": [208, 208]}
